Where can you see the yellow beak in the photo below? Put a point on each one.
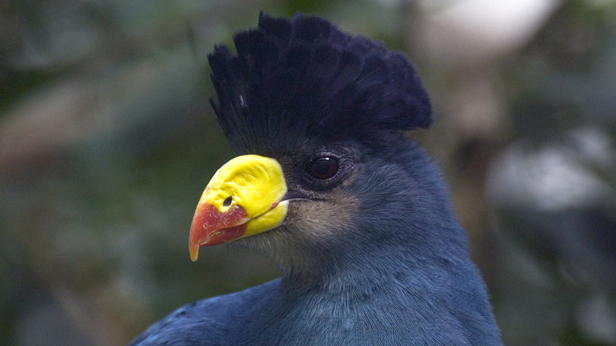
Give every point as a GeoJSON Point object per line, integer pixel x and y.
{"type": "Point", "coordinates": [243, 198]}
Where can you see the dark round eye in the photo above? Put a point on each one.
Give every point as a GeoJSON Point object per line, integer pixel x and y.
{"type": "Point", "coordinates": [323, 167]}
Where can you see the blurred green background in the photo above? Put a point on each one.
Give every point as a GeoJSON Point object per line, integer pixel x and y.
{"type": "Point", "coordinates": [107, 140]}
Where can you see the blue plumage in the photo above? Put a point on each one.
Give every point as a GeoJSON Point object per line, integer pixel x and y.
{"type": "Point", "coordinates": [373, 256]}
{"type": "Point", "coordinates": [307, 79]}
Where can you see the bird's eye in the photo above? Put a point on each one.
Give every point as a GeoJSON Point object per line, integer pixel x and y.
{"type": "Point", "coordinates": [323, 167]}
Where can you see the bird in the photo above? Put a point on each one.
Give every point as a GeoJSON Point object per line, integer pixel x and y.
{"type": "Point", "coordinates": [328, 183]}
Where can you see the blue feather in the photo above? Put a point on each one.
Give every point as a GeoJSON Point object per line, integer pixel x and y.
{"type": "Point", "coordinates": [307, 78]}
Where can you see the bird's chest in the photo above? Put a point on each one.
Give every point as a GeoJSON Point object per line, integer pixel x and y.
{"type": "Point", "coordinates": [335, 321]}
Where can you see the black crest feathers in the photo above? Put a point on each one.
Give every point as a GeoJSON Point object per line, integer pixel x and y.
{"type": "Point", "coordinates": [306, 78]}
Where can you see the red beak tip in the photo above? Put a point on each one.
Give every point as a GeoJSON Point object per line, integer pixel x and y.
{"type": "Point", "coordinates": [211, 227]}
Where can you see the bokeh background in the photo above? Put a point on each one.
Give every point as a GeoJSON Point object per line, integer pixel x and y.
{"type": "Point", "coordinates": [107, 140]}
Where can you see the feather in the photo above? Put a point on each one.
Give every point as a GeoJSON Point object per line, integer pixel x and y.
{"type": "Point", "coordinates": [305, 78]}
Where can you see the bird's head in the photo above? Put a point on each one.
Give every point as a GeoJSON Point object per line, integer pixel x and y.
{"type": "Point", "coordinates": [318, 117]}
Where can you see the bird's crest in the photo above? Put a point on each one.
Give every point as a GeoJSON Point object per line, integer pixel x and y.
{"type": "Point", "coordinates": [305, 78]}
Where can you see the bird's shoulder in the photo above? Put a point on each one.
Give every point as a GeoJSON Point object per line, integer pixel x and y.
{"type": "Point", "coordinates": [212, 321]}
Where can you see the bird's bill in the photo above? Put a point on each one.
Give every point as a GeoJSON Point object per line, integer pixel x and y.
{"type": "Point", "coordinates": [243, 198]}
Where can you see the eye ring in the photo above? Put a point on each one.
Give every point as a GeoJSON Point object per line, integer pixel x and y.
{"type": "Point", "coordinates": [323, 168]}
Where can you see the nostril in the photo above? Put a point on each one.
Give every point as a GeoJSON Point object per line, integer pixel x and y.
{"type": "Point", "coordinates": [227, 201]}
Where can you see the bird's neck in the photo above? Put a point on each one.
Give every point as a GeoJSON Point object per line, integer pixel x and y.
{"type": "Point", "coordinates": [385, 264]}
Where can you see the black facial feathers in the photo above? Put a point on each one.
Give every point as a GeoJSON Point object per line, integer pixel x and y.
{"type": "Point", "coordinates": [292, 81]}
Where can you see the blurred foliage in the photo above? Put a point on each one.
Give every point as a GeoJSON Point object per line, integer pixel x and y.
{"type": "Point", "coordinates": [107, 140]}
